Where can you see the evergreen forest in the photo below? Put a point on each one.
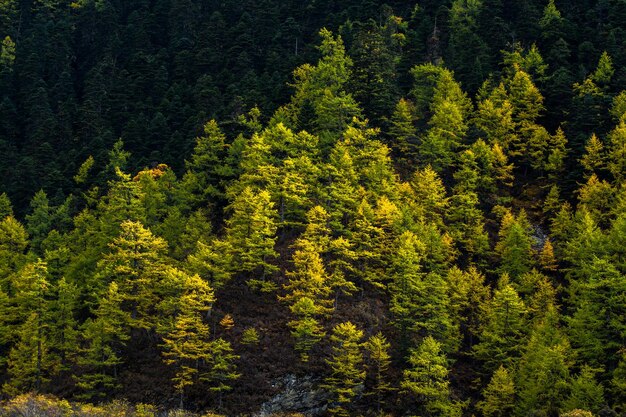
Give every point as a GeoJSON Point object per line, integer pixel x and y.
{"type": "Point", "coordinates": [400, 208]}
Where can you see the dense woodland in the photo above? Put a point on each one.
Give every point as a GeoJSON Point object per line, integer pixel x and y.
{"type": "Point", "coordinates": [420, 206]}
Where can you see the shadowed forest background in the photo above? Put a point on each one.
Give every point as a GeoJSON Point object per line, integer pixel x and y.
{"type": "Point", "coordinates": [418, 208]}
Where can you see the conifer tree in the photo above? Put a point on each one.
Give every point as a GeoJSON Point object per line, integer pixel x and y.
{"type": "Point", "coordinates": [186, 344]}
{"type": "Point", "coordinates": [447, 125]}
{"type": "Point", "coordinates": [306, 328]}
{"type": "Point", "coordinates": [406, 283]}
{"type": "Point", "coordinates": [321, 88]}
{"type": "Point", "coordinates": [430, 195]}
{"type": "Point", "coordinates": [547, 260]}
{"type": "Point", "coordinates": [343, 191]}
{"type": "Point", "coordinates": [494, 119]}
{"type": "Point", "coordinates": [514, 245]}
{"type": "Point", "coordinates": [206, 171]}
{"type": "Point", "coordinates": [616, 160]}
{"type": "Point", "coordinates": [39, 221]}
{"type": "Point", "coordinates": [64, 333]}
{"type": "Point", "coordinates": [467, 293]}
{"type": "Point", "coordinates": [596, 197]}
{"type": "Point", "coordinates": [464, 218]}
{"type": "Point", "coordinates": [32, 288]}
{"type": "Point", "coordinates": [378, 361]}
{"type": "Point", "coordinates": [584, 243]}
{"type": "Point", "coordinates": [250, 234]}
{"type": "Point", "coordinates": [426, 381]}
{"type": "Point", "coordinates": [122, 203]}
{"type": "Point", "coordinates": [502, 328]}
{"type": "Point", "coordinates": [136, 264]}
{"type": "Point", "coordinates": [346, 372]}
{"type": "Point", "coordinates": [499, 395]}
{"type": "Point", "coordinates": [593, 161]}
{"type": "Point", "coordinates": [552, 203]}
{"type": "Point", "coordinates": [598, 313]}
{"type": "Point", "coordinates": [403, 136]}
{"type": "Point", "coordinates": [30, 361]}
{"type": "Point", "coordinates": [103, 338]}
{"type": "Point", "coordinates": [543, 373]}
{"type": "Point", "coordinates": [618, 382]}
{"type": "Point", "coordinates": [585, 392]}
{"type": "Point", "coordinates": [309, 279]}
{"type": "Point", "coordinates": [213, 262]}
{"type": "Point", "coordinates": [6, 208]}
{"type": "Point", "coordinates": [13, 244]}
{"type": "Point", "coordinates": [221, 369]}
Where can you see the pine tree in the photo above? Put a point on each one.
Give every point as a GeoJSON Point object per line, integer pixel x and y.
{"type": "Point", "coordinates": [584, 241]}
{"type": "Point", "coordinates": [468, 52]}
{"type": "Point", "coordinates": [494, 119]}
{"type": "Point", "coordinates": [466, 224]}
{"type": "Point", "coordinates": [306, 329]}
{"type": "Point", "coordinates": [593, 161]}
{"type": "Point", "coordinates": [6, 208]}
{"type": "Point", "coordinates": [403, 136]}
{"type": "Point", "coordinates": [32, 290]}
{"type": "Point", "coordinates": [499, 395]}
{"type": "Point", "coordinates": [343, 191]}
{"type": "Point", "coordinates": [547, 260]}
{"type": "Point", "coordinates": [39, 221]}
{"type": "Point", "coordinates": [345, 364]}
{"type": "Point", "coordinates": [64, 331]}
{"type": "Point", "coordinates": [502, 328]}
{"type": "Point", "coordinates": [418, 300]}
{"type": "Point", "coordinates": [206, 171]}
{"type": "Point", "coordinates": [186, 344]}
{"type": "Point", "coordinates": [407, 281]}
{"type": "Point", "coordinates": [136, 264]}
{"type": "Point", "coordinates": [378, 361]}
{"type": "Point", "coordinates": [585, 392]}
{"type": "Point", "coordinates": [250, 234]}
{"type": "Point", "coordinates": [447, 125]}
{"type": "Point", "coordinates": [616, 159]}
{"type": "Point", "coordinates": [103, 338]}
{"type": "Point", "coordinates": [543, 373]}
{"type": "Point", "coordinates": [213, 262]}
{"type": "Point", "coordinates": [598, 314]}
{"type": "Point", "coordinates": [596, 197]}
{"type": "Point", "coordinates": [30, 362]}
{"type": "Point", "coordinates": [309, 294]}
{"type": "Point", "coordinates": [13, 244]}
{"type": "Point", "coordinates": [618, 110]}
{"type": "Point", "coordinates": [309, 279]}
{"type": "Point", "coordinates": [515, 245]}
{"type": "Point", "coordinates": [467, 293]}
{"type": "Point", "coordinates": [221, 369]}
{"type": "Point", "coordinates": [618, 382]}
{"type": "Point", "coordinates": [426, 380]}
{"type": "Point", "coordinates": [430, 195]}
{"type": "Point", "coordinates": [321, 89]}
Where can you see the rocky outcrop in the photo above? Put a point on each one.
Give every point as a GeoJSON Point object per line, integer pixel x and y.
{"type": "Point", "coordinates": [297, 394]}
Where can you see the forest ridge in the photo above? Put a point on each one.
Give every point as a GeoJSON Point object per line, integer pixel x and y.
{"type": "Point", "coordinates": [414, 210]}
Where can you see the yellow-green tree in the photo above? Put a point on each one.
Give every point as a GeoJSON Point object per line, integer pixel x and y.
{"type": "Point", "coordinates": [502, 328]}
{"type": "Point", "coordinates": [220, 368]}
{"type": "Point", "coordinates": [103, 338]}
{"type": "Point", "coordinates": [427, 383]}
{"type": "Point", "coordinates": [378, 361]}
{"type": "Point", "coordinates": [186, 344]}
{"type": "Point", "coordinates": [136, 263]}
{"type": "Point", "coordinates": [346, 372]}
{"type": "Point", "coordinates": [499, 395]}
{"type": "Point", "coordinates": [251, 233]}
